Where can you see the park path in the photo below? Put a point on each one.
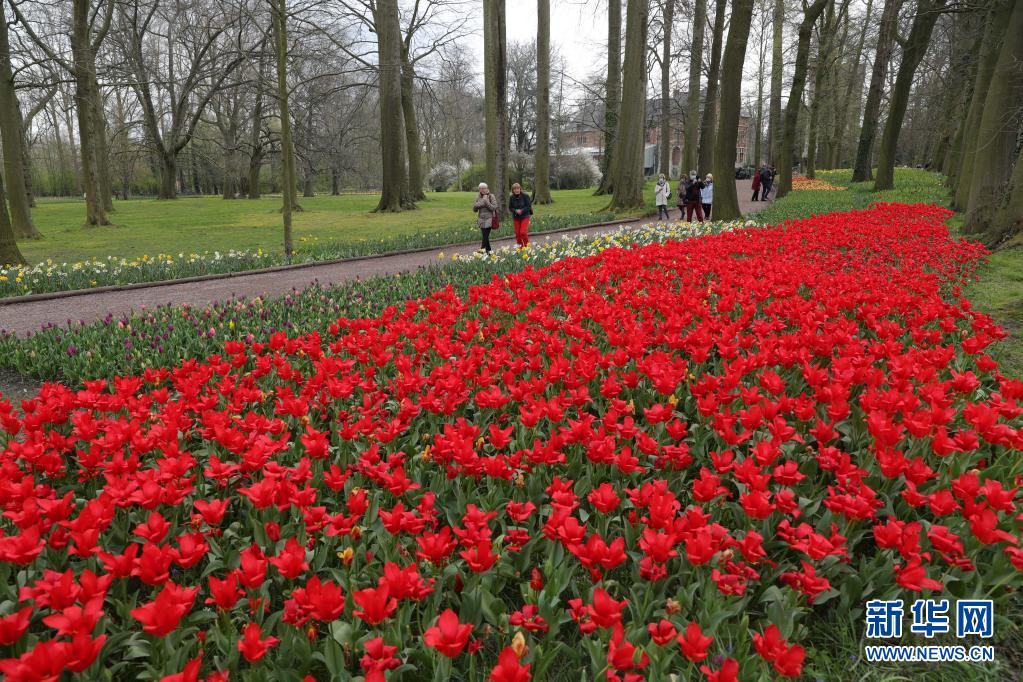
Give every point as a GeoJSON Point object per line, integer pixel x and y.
{"type": "Point", "coordinates": [30, 316]}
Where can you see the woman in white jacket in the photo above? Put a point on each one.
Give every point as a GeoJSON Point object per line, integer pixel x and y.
{"type": "Point", "coordinates": [707, 195]}
{"type": "Point", "coordinates": [662, 192]}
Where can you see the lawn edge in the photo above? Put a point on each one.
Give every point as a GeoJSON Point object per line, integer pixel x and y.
{"type": "Point", "coordinates": [55, 295]}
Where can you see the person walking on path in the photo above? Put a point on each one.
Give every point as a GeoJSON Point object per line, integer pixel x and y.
{"type": "Point", "coordinates": [756, 185]}
{"type": "Point", "coordinates": [521, 208]}
{"type": "Point", "coordinates": [486, 208]}
{"type": "Point", "coordinates": [707, 195]}
{"type": "Point", "coordinates": [693, 201]}
{"type": "Point", "coordinates": [766, 182]}
{"type": "Point", "coordinates": [662, 193]}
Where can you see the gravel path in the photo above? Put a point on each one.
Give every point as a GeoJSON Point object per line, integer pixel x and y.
{"type": "Point", "coordinates": [30, 316]}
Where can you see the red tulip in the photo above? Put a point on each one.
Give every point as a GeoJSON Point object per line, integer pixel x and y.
{"type": "Point", "coordinates": [448, 635]}
{"type": "Point", "coordinates": [376, 604]}
{"type": "Point", "coordinates": [509, 668]}
{"type": "Point", "coordinates": [162, 615]}
{"type": "Point", "coordinates": [252, 645]}
{"type": "Point", "coordinates": [694, 643]}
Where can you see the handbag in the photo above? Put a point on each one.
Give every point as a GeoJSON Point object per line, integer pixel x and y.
{"type": "Point", "coordinates": [495, 222]}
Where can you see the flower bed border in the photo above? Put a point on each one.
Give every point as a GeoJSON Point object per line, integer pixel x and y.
{"type": "Point", "coordinates": [54, 295]}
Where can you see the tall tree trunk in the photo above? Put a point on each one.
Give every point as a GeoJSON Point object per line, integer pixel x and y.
{"type": "Point", "coordinates": [335, 182]}
{"type": "Point", "coordinates": [394, 193]}
{"type": "Point", "coordinates": [726, 201]}
{"type": "Point", "coordinates": [495, 75]}
{"type": "Point", "coordinates": [10, 254]}
{"type": "Point", "coordinates": [288, 184]}
{"type": "Point", "coordinates": [256, 157]}
{"type": "Point", "coordinates": [759, 129]}
{"type": "Point", "coordinates": [106, 191]}
{"type": "Point", "coordinates": [850, 88]}
{"type": "Point", "coordinates": [81, 48]}
{"type": "Point", "coordinates": [542, 162]}
{"type": "Point", "coordinates": [862, 168]}
{"type": "Point", "coordinates": [668, 17]}
{"type": "Point", "coordinates": [612, 95]}
{"type": "Point", "coordinates": [927, 13]}
{"type": "Point", "coordinates": [996, 139]}
{"type": "Point", "coordinates": [777, 66]}
{"type": "Point", "coordinates": [26, 156]}
{"type": "Point", "coordinates": [1008, 221]}
{"type": "Point", "coordinates": [309, 182]}
{"type": "Point", "coordinates": [788, 142]}
{"type": "Point", "coordinates": [413, 145]}
{"type": "Point", "coordinates": [692, 154]}
{"type": "Point", "coordinates": [708, 119]}
{"type": "Point", "coordinates": [957, 93]}
{"type": "Point", "coordinates": [833, 73]}
{"type": "Point", "coordinates": [10, 135]}
{"type": "Point", "coordinates": [628, 169]}
{"type": "Point", "coordinates": [820, 70]}
{"type": "Point", "coordinates": [169, 175]}
{"type": "Point", "coordinates": [994, 35]}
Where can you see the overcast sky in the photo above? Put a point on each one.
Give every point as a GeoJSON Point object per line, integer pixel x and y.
{"type": "Point", "coordinates": [578, 33]}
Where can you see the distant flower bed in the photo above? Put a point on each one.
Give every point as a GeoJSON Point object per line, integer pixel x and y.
{"type": "Point", "coordinates": [550, 249]}
{"type": "Point", "coordinates": [50, 276]}
{"type": "Point", "coordinates": [802, 182]}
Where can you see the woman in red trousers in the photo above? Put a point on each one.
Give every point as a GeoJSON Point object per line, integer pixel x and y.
{"type": "Point", "coordinates": [521, 208]}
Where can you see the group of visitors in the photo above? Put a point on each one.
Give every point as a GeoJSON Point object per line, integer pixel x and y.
{"type": "Point", "coordinates": [695, 197]}
{"type": "Point", "coordinates": [763, 182]}
{"type": "Point", "coordinates": [520, 207]}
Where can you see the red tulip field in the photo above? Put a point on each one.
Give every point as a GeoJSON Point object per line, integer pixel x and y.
{"type": "Point", "coordinates": [668, 460]}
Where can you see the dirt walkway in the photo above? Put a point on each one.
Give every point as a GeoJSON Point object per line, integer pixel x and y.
{"type": "Point", "coordinates": [30, 316]}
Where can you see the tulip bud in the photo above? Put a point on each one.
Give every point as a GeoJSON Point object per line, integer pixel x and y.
{"type": "Point", "coordinates": [672, 607]}
{"type": "Point", "coordinates": [536, 580]}
{"type": "Point", "coordinates": [518, 645]}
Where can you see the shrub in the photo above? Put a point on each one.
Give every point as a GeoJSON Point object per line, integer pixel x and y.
{"type": "Point", "coordinates": [441, 177]}
{"type": "Point", "coordinates": [574, 171]}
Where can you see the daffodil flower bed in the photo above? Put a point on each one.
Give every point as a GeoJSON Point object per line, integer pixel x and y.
{"type": "Point", "coordinates": [551, 249]}
{"type": "Point", "coordinates": [50, 276]}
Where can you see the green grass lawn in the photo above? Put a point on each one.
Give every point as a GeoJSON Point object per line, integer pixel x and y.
{"type": "Point", "coordinates": [148, 227]}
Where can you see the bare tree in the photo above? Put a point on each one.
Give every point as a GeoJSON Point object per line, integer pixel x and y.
{"type": "Point", "coordinates": [777, 66]}
{"type": "Point", "coordinates": [726, 201]}
{"type": "Point", "coordinates": [862, 169]}
{"type": "Point", "coordinates": [691, 154]}
{"type": "Point", "coordinates": [90, 25]}
{"type": "Point", "coordinates": [629, 143]}
{"type": "Point", "coordinates": [996, 138]}
{"type": "Point", "coordinates": [612, 95]}
{"type": "Point", "coordinates": [10, 254]}
{"type": "Point", "coordinates": [11, 135]}
{"type": "Point", "coordinates": [542, 163]}
{"type": "Point", "coordinates": [913, 49]}
{"type": "Point", "coordinates": [708, 120]}
{"type": "Point", "coordinates": [198, 57]}
{"type": "Point", "coordinates": [495, 76]}
{"type": "Point", "coordinates": [810, 15]}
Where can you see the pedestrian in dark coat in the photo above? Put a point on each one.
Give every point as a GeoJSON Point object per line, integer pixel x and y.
{"type": "Point", "coordinates": [521, 208]}
{"type": "Point", "coordinates": [756, 185]}
{"type": "Point", "coordinates": [766, 182]}
{"type": "Point", "coordinates": [694, 199]}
